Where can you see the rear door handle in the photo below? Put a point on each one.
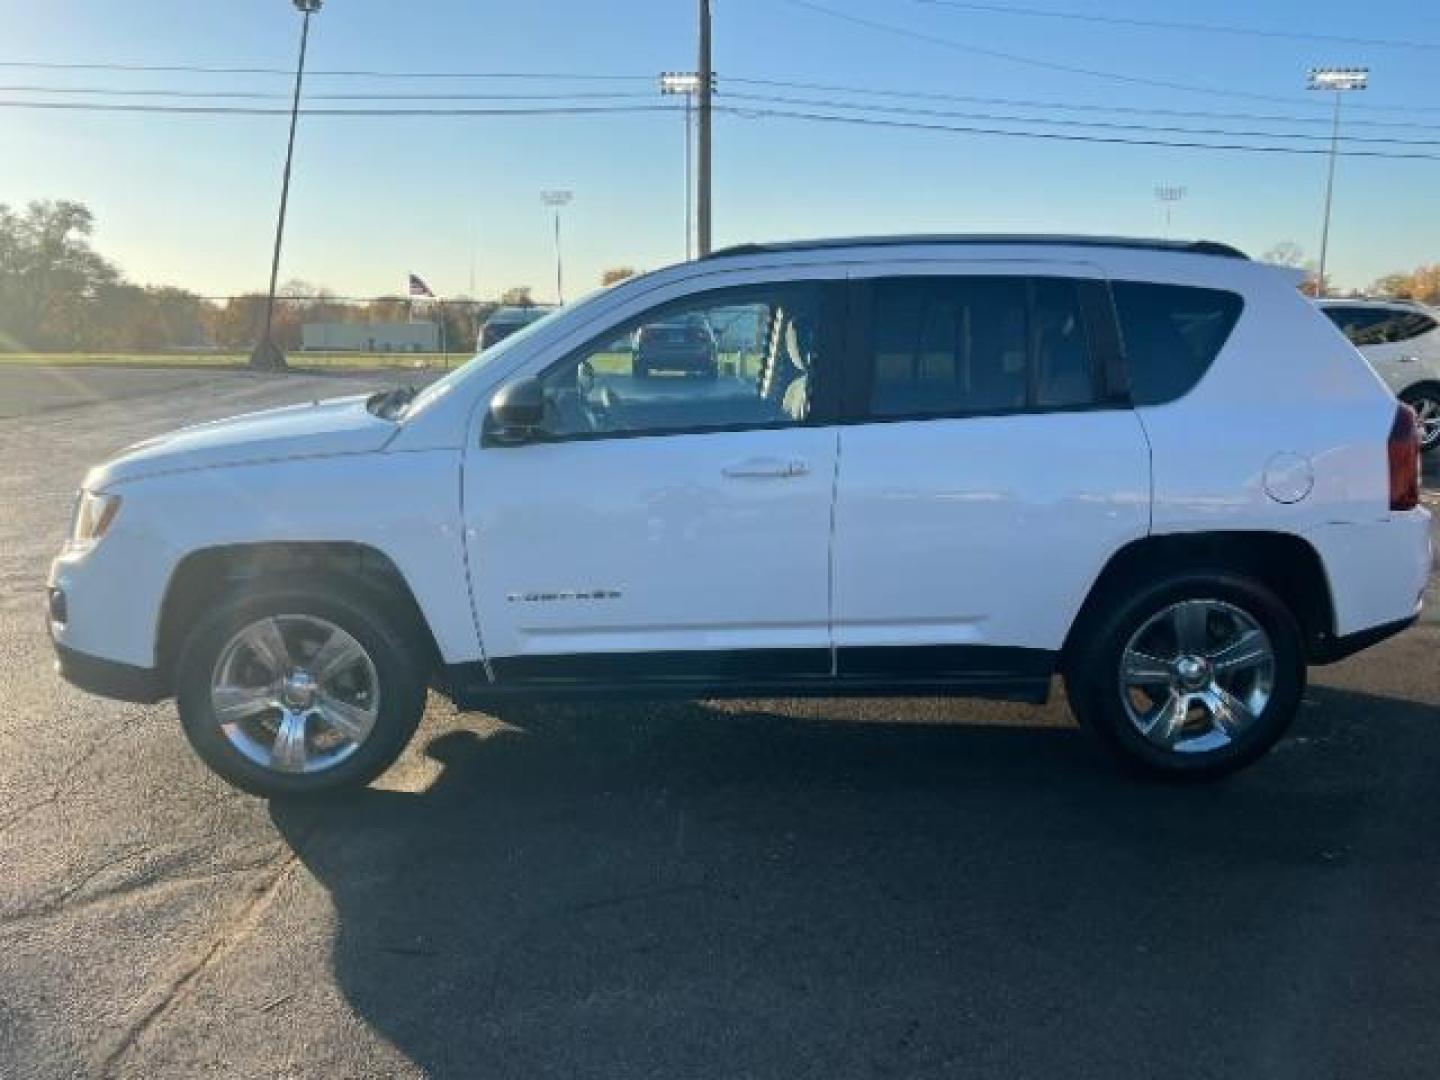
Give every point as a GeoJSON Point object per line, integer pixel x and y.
{"type": "Point", "coordinates": [765, 469]}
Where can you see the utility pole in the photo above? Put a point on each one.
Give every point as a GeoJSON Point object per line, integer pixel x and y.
{"type": "Point", "coordinates": [703, 185]}
{"type": "Point", "coordinates": [1339, 80]}
{"type": "Point", "coordinates": [267, 354]}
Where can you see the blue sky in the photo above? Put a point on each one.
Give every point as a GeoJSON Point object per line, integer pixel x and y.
{"type": "Point", "coordinates": [190, 201]}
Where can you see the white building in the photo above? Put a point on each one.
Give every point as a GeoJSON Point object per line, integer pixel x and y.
{"type": "Point", "coordinates": [371, 337]}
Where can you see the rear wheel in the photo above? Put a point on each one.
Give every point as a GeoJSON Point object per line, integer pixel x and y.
{"type": "Point", "coordinates": [1425, 400]}
{"type": "Point", "coordinates": [1194, 676]}
{"type": "Point", "coordinates": [296, 688]}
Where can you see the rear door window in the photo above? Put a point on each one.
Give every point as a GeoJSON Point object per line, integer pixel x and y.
{"type": "Point", "coordinates": [974, 345]}
{"type": "Point", "coordinates": [1171, 335]}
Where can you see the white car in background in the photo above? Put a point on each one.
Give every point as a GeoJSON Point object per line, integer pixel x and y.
{"type": "Point", "coordinates": [1401, 339]}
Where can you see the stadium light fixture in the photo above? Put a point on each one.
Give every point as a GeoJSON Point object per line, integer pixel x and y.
{"type": "Point", "coordinates": [1168, 195]}
{"type": "Point", "coordinates": [556, 199]}
{"type": "Point", "coordinates": [686, 83]}
{"type": "Point", "coordinates": [1337, 80]}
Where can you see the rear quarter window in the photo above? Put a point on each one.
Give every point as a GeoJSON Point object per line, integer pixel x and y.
{"type": "Point", "coordinates": [1171, 335]}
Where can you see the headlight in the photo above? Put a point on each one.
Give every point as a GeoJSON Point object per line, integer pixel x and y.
{"type": "Point", "coordinates": [94, 513]}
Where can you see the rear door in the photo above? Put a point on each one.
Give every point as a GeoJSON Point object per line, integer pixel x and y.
{"type": "Point", "coordinates": [991, 467]}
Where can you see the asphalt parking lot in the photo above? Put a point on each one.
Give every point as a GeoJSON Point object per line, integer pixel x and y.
{"type": "Point", "coordinates": [749, 889]}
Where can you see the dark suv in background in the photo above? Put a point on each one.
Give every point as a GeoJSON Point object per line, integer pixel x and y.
{"type": "Point", "coordinates": [506, 321]}
{"type": "Point", "coordinates": [685, 346]}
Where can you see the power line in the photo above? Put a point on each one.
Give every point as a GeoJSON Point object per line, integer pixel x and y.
{"type": "Point", "coordinates": [202, 69]}
{"type": "Point", "coordinates": [764, 112]}
{"type": "Point", "coordinates": [245, 110]}
{"type": "Point", "coordinates": [1187, 27]}
{"type": "Point", "coordinates": [261, 95]}
{"type": "Point", "coordinates": [1110, 125]}
{"type": "Point", "coordinates": [1031, 61]}
{"type": "Point", "coordinates": [1030, 103]}
{"type": "Point", "coordinates": [598, 95]}
{"type": "Point", "coordinates": [1057, 136]}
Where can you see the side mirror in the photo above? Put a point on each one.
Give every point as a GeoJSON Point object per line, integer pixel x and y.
{"type": "Point", "coordinates": [516, 412]}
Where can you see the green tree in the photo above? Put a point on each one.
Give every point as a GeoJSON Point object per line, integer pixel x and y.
{"type": "Point", "coordinates": [50, 277]}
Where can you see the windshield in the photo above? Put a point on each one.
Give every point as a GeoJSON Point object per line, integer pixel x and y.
{"type": "Point", "coordinates": [438, 389]}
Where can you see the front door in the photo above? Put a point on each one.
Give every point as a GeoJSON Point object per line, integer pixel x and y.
{"type": "Point", "coordinates": [671, 520]}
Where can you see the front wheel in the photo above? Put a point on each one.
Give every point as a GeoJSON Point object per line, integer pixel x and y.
{"type": "Point", "coordinates": [1425, 400]}
{"type": "Point", "coordinates": [1195, 676]}
{"type": "Point", "coordinates": [296, 688]}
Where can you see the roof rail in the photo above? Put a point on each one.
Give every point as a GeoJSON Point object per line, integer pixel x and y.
{"type": "Point", "coordinates": [1193, 247]}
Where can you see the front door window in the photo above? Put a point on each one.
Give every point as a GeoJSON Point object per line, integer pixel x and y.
{"type": "Point", "coordinates": [726, 360]}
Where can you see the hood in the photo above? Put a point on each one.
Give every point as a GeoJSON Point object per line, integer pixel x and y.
{"type": "Point", "coordinates": [318, 429]}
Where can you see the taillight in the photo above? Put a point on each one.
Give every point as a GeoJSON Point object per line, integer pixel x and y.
{"type": "Point", "coordinates": [1404, 451]}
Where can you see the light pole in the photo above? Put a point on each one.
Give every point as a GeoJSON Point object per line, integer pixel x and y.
{"type": "Point", "coordinates": [267, 354]}
{"type": "Point", "coordinates": [1338, 80]}
{"type": "Point", "coordinates": [1168, 195]}
{"type": "Point", "coordinates": [688, 84]}
{"type": "Point", "coordinates": [707, 88]}
{"type": "Point", "coordinates": [557, 198]}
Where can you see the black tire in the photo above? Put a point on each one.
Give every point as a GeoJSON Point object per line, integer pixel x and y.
{"type": "Point", "coordinates": [382, 626]}
{"type": "Point", "coordinates": [1094, 687]}
{"type": "Point", "coordinates": [1418, 397]}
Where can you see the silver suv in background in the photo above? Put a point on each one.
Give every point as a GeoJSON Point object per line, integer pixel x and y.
{"type": "Point", "coordinates": [1401, 339]}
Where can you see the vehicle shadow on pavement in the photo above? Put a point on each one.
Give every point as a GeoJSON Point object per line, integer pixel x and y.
{"type": "Point", "coordinates": [684, 891]}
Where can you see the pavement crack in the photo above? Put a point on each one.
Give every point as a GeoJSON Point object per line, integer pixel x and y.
{"type": "Point", "coordinates": [177, 986]}
{"type": "Point", "coordinates": [61, 784]}
{"type": "Point", "coordinates": [64, 901]}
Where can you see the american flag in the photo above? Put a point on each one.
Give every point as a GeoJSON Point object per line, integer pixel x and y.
{"type": "Point", "coordinates": [419, 288]}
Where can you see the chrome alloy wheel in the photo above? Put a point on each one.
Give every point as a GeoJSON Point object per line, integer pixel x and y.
{"type": "Point", "coordinates": [1197, 675]}
{"type": "Point", "coordinates": [295, 693]}
{"type": "Point", "coordinates": [1427, 417]}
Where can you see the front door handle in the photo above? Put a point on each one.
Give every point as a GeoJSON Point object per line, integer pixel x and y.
{"type": "Point", "coordinates": [765, 468]}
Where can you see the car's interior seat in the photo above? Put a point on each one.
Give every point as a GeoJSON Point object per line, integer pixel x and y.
{"type": "Point", "coordinates": [798, 341]}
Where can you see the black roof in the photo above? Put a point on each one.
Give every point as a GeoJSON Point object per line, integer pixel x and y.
{"type": "Point", "coordinates": [1194, 247]}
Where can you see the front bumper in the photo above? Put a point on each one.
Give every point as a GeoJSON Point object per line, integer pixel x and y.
{"type": "Point", "coordinates": [109, 678]}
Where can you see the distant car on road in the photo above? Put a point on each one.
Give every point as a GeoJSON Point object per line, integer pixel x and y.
{"type": "Point", "coordinates": [506, 321]}
{"type": "Point", "coordinates": [683, 345]}
{"type": "Point", "coordinates": [1401, 339]}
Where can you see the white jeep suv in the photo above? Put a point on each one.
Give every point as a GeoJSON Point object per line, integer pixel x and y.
{"type": "Point", "coordinates": [1401, 339]}
{"type": "Point", "coordinates": [928, 465]}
